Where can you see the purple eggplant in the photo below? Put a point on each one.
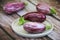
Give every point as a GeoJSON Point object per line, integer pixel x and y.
{"type": "Point", "coordinates": [34, 27]}
{"type": "Point", "coordinates": [35, 17]}
{"type": "Point", "coordinates": [11, 7]}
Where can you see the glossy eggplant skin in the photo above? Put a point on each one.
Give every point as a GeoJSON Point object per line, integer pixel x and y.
{"type": "Point", "coordinates": [12, 7]}
{"type": "Point", "coordinates": [35, 17]}
{"type": "Point", "coordinates": [43, 8]}
{"type": "Point", "coordinates": [34, 27]}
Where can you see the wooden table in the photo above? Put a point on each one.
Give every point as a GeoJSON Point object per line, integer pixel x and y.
{"type": "Point", "coordinates": [6, 33]}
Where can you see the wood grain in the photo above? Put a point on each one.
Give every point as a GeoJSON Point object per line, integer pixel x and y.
{"type": "Point", "coordinates": [4, 36]}
{"type": "Point", "coordinates": [6, 21]}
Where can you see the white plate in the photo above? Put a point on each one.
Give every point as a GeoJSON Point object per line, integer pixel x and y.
{"type": "Point", "coordinates": [20, 30]}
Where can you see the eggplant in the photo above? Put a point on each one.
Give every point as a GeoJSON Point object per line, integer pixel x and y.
{"type": "Point", "coordinates": [35, 17]}
{"type": "Point", "coordinates": [43, 8]}
{"type": "Point", "coordinates": [12, 7]}
{"type": "Point", "coordinates": [34, 27]}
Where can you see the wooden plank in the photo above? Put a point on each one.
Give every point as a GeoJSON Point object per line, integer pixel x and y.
{"type": "Point", "coordinates": [6, 20]}
{"type": "Point", "coordinates": [55, 34]}
{"type": "Point", "coordinates": [5, 23]}
{"type": "Point", "coordinates": [4, 36]}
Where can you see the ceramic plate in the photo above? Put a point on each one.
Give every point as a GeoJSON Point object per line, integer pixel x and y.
{"type": "Point", "coordinates": [18, 29]}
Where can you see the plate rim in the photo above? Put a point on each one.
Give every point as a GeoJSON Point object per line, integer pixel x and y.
{"type": "Point", "coordinates": [30, 35]}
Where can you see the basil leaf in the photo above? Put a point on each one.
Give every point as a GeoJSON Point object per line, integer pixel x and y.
{"type": "Point", "coordinates": [48, 26]}
{"type": "Point", "coordinates": [21, 21]}
{"type": "Point", "coordinates": [52, 10]}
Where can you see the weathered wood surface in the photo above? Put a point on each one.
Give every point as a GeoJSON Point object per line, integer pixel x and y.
{"type": "Point", "coordinates": [4, 36]}
{"type": "Point", "coordinates": [6, 20]}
